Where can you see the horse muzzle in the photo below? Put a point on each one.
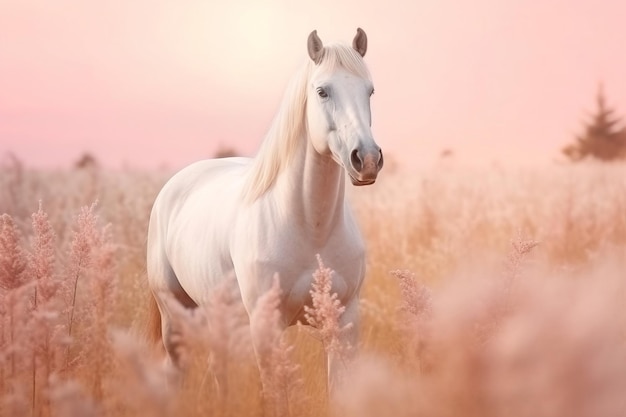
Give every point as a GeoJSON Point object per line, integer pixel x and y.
{"type": "Point", "coordinates": [365, 166]}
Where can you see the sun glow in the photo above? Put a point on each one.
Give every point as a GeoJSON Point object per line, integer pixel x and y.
{"type": "Point", "coordinates": [251, 45]}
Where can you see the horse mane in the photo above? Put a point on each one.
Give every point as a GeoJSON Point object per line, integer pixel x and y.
{"type": "Point", "coordinates": [284, 138]}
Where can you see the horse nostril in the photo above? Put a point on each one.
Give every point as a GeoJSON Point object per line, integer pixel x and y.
{"type": "Point", "coordinates": [356, 160]}
{"type": "Point", "coordinates": [380, 160]}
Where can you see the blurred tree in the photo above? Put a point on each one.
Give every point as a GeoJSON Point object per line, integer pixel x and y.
{"type": "Point", "coordinates": [446, 153]}
{"type": "Point", "coordinates": [225, 152]}
{"type": "Point", "coordinates": [86, 161]}
{"type": "Point", "coordinates": [11, 162]}
{"type": "Point", "coordinates": [604, 137]}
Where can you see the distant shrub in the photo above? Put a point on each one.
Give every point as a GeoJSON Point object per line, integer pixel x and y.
{"type": "Point", "coordinates": [604, 137]}
{"type": "Point", "coordinates": [87, 161]}
{"type": "Point", "coordinates": [225, 152]}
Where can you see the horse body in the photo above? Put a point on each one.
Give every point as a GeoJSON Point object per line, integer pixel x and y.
{"type": "Point", "coordinates": [188, 251]}
{"type": "Point", "coordinates": [193, 246]}
{"type": "Point", "coordinates": [254, 218]}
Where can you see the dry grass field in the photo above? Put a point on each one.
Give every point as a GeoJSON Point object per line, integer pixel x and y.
{"type": "Point", "coordinates": [489, 292]}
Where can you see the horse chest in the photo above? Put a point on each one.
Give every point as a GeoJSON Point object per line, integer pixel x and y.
{"type": "Point", "coordinates": [296, 265]}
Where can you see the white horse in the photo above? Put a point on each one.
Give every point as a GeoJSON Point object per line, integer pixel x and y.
{"type": "Point", "coordinates": [272, 214]}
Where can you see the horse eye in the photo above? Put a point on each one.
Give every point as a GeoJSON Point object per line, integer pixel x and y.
{"type": "Point", "coordinates": [321, 92]}
{"type": "Point", "coordinates": [372, 93]}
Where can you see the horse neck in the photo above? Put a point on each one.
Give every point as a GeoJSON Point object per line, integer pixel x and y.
{"type": "Point", "coordinates": [315, 187]}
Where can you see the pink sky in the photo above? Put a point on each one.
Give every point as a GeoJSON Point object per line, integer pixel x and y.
{"type": "Point", "coordinates": [147, 82]}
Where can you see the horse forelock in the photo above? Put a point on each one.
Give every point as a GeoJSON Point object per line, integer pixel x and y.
{"type": "Point", "coordinates": [339, 56]}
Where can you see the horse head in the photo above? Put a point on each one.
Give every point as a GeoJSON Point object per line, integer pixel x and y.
{"type": "Point", "coordinates": [338, 111]}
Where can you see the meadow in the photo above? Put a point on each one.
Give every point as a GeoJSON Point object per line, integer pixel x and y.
{"type": "Point", "coordinates": [492, 291]}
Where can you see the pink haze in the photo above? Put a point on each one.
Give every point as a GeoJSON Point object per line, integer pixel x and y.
{"type": "Point", "coordinates": [147, 83]}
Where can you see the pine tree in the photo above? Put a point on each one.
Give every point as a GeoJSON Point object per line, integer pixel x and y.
{"type": "Point", "coordinates": [604, 138]}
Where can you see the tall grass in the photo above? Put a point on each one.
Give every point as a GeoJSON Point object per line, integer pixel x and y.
{"type": "Point", "coordinates": [489, 292]}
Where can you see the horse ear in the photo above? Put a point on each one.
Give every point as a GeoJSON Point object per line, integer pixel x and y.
{"type": "Point", "coordinates": [315, 46]}
{"type": "Point", "coordinates": [360, 42]}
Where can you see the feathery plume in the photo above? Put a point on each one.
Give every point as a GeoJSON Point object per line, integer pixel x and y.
{"type": "Point", "coordinates": [520, 248]}
{"type": "Point", "coordinates": [416, 298]}
{"type": "Point", "coordinates": [13, 261]}
{"type": "Point", "coordinates": [326, 311]}
{"type": "Point", "coordinates": [42, 258]}
{"type": "Point", "coordinates": [102, 293]}
{"type": "Point", "coordinates": [13, 302]}
{"type": "Point", "coordinates": [43, 326]}
{"type": "Point", "coordinates": [85, 237]}
{"type": "Point", "coordinates": [416, 309]}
